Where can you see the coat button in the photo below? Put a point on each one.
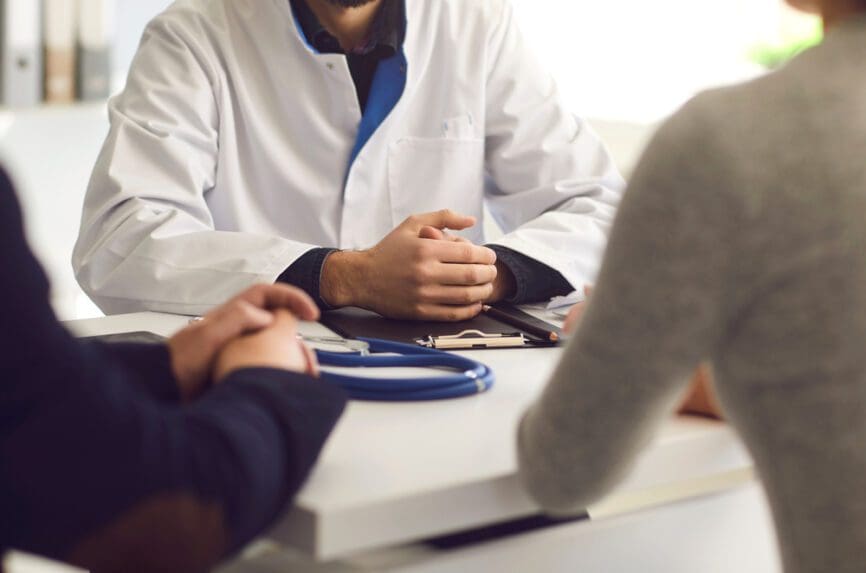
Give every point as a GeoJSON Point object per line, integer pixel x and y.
{"type": "Point", "coordinates": [330, 66]}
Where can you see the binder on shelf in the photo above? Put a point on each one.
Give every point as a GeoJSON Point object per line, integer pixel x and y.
{"type": "Point", "coordinates": [96, 25]}
{"type": "Point", "coordinates": [60, 27]}
{"type": "Point", "coordinates": [20, 53]}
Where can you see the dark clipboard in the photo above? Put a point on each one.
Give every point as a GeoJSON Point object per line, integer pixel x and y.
{"type": "Point", "coordinates": [354, 322]}
{"type": "Point", "coordinates": [137, 337]}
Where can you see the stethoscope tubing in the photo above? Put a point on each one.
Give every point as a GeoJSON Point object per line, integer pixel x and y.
{"type": "Point", "coordinates": [419, 396]}
{"type": "Point", "coordinates": [471, 377]}
{"type": "Point", "coordinates": [404, 384]}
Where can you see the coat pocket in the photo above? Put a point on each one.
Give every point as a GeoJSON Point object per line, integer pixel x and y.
{"type": "Point", "coordinates": [431, 174]}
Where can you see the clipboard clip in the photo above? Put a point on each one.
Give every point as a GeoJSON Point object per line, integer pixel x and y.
{"type": "Point", "coordinates": [345, 344]}
{"type": "Point", "coordinates": [469, 339]}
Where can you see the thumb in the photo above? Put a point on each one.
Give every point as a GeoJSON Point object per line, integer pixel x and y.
{"type": "Point", "coordinates": [312, 362]}
{"type": "Point", "coordinates": [236, 318]}
{"type": "Point", "coordinates": [231, 321]}
{"type": "Point", "coordinates": [285, 320]}
{"type": "Point", "coordinates": [428, 232]}
{"type": "Point", "coordinates": [444, 219]}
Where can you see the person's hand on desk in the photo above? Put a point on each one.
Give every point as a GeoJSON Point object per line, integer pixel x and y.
{"type": "Point", "coordinates": [503, 285]}
{"type": "Point", "coordinates": [194, 350]}
{"type": "Point", "coordinates": [577, 311]}
{"type": "Point", "coordinates": [276, 346]}
{"type": "Point", "coordinates": [700, 398]}
{"type": "Point", "coordinates": [408, 275]}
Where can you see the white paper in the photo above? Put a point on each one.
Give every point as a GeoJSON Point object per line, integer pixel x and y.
{"type": "Point", "coordinates": [559, 302]}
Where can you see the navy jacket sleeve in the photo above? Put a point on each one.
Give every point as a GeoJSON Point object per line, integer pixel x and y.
{"type": "Point", "coordinates": [534, 281]}
{"type": "Point", "coordinates": [86, 453]}
{"type": "Point", "coordinates": [149, 366]}
{"type": "Point", "coordinates": [306, 274]}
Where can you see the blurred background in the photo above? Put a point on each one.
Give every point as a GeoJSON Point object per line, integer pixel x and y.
{"type": "Point", "coordinates": [639, 60]}
{"type": "Point", "coordinates": [622, 64]}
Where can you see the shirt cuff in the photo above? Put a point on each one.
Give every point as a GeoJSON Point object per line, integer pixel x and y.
{"type": "Point", "coordinates": [306, 274]}
{"type": "Point", "coordinates": [535, 281]}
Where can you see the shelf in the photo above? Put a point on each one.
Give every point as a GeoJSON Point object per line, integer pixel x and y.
{"type": "Point", "coordinates": [51, 107]}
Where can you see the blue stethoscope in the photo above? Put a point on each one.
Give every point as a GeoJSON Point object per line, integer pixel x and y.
{"type": "Point", "coordinates": [469, 376]}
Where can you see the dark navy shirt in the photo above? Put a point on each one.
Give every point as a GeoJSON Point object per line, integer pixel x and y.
{"type": "Point", "coordinates": [100, 462]}
{"type": "Point", "coordinates": [385, 39]}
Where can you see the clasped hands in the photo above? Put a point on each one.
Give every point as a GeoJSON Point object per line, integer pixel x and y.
{"type": "Point", "coordinates": [256, 329]}
{"type": "Point", "coordinates": [419, 271]}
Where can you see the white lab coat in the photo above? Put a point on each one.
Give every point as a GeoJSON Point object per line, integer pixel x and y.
{"type": "Point", "coordinates": [228, 153]}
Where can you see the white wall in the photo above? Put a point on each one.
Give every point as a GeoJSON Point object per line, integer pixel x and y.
{"type": "Point", "coordinates": [132, 16]}
{"type": "Point", "coordinates": [640, 60]}
{"type": "Point", "coordinates": [50, 153]}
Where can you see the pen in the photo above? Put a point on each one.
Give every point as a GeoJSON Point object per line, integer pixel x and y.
{"type": "Point", "coordinates": [542, 333]}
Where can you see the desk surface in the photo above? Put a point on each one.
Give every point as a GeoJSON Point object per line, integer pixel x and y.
{"type": "Point", "coordinates": [396, 473]}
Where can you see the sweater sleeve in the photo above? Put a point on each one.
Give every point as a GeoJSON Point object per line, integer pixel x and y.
{"type": "Point", "coordinates": [656, 312]}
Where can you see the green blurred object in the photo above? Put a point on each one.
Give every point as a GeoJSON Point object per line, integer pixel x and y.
{"type": "Point", "coordinates": [773, 55]}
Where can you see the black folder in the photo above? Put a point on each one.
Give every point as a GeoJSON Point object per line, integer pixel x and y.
{"type": "Point", "coordinates": [358, 323]}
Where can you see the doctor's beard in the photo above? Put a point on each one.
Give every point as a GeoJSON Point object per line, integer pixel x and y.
{"type": "Point", "coordinates": [349, 3]}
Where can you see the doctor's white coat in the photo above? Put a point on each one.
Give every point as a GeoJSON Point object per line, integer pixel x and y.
{"type": "Point", "coordinates": [228, 153]}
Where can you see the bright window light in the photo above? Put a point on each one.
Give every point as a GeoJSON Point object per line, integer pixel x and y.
{"type": "Point", "coordinates": [633, 60]}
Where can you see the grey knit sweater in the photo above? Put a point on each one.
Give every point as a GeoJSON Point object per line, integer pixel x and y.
{"type": "Point", "coordinates": [741, 240]}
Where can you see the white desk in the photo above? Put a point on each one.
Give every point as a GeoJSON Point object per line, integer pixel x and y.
{"type": "Point", "coordinates": [393, 475]}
